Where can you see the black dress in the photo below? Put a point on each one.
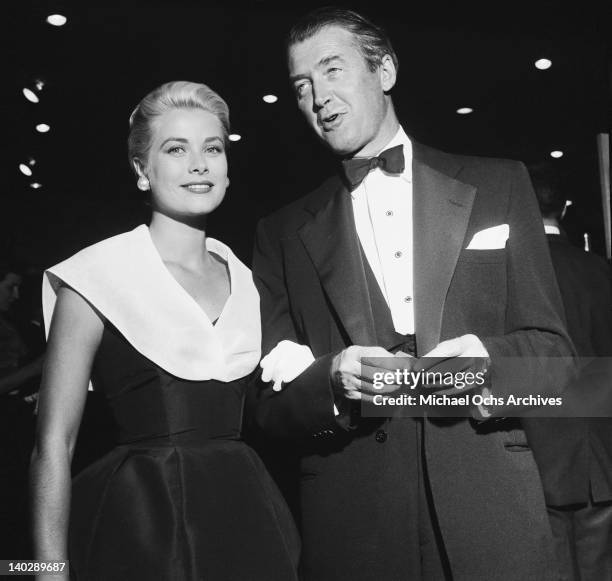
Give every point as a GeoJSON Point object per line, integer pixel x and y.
{"type": "Point", "coordinates": [181, 496]}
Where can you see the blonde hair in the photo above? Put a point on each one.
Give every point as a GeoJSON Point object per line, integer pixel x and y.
{"type": "Point", "coordinates": [173, 95]}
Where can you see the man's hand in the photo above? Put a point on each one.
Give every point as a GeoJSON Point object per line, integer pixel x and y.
{"type": "Point", "coordinates": [464, 346]}
{"type": "Point", "coordinates": [458, 355]}
{"type": "Point", "coordinates": [352, 372]}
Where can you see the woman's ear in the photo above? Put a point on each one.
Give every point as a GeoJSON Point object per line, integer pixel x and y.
{"type": "Point", "coordinates": [138, 167]}
{"type": "Point", "coordinates": [143, 181]}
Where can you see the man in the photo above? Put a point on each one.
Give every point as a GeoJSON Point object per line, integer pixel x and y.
{"type": "Point", "coordinates": [574, 455]}
{"type": "Point", "coordinates": [414, 253]}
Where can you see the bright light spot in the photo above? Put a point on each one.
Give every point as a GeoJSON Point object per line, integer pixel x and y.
{"type": "Point", "coordinates": [556, 154]}
{"type": "Point", "coordinates": [465, 110]}
{"type": "Point", "coordinates": [543, 64]}
{"type": "Point", "coordinates": [30, 95]}
{"type": "Point", "coordinates": [39, 85]}
{"type": "Point", "coordinates": [587, 242]}
{"type": "Point", "coordinates": [235, 137]}
{"type": "Point", "coordinates": [32, 161]}
{"type": "Point", "coordinates": [270, 98]}
{"type": "Point", "coordinates": [568, 203]}
{"type": "Point", "coordinates": [42, 128]}
{"type": "Point", "coordinates": [35, 185]}
{"type": "Point", "coordinates": [25, 170]}
{"type": "Point", "coordinates": [57, 19]}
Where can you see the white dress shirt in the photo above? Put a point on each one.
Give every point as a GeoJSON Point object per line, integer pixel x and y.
{"type": "Point", "coordinates": [382, 207]}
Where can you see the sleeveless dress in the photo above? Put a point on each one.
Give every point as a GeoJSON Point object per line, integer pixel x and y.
{"type": "Point", "coordinates": [180, 496]}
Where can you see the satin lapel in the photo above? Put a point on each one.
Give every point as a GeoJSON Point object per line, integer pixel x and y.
{"type": "Point", "coordinates": [441, 211]}
{"type": "Point", "coordinates": [330, 239]}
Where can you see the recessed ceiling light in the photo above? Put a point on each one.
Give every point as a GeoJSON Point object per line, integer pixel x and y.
{"type": "Point", "coordinates": [42, 128]}
{"type": "Point", "coordinates": [270, 98]}
{"type": "Point", "coordinates": [35, 185]}
{"type": "Point", "coordinates": [465, 110]}
{"type": "Point", "coordinates": [235, 137]}
{"type": "Point", "coordinates": [543, 64]}
{"type": "Point", "coordinates": [30, 95]}
{"type": "Point", "coordinates": [56, 19]}
{"type": "Point", "coordinates": [31, 161]}
{"type": "Point", "coordinates": [568, 203]}
{"type": "Point", "coordinates": [25, 169]}
{"type": "Point", "coordinates": [556, 154]}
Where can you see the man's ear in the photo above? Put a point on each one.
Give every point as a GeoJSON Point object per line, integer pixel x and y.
{"type": "Point", "coordinates": [388, 73]}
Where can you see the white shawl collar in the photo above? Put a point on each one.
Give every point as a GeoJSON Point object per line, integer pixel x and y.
{"type": "Point", "coordinates": [125, 278]}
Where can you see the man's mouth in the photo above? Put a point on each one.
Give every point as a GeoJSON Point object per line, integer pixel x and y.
{"type": "Point", "coordinates": [198, 187]}
{"type": "Point", "coordinates": [330, 122]}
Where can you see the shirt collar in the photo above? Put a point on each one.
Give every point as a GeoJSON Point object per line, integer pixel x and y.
{"type": "Point", "coordinates": [400, 138]}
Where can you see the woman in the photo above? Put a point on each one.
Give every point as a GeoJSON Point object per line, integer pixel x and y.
{"type": "Point", "coordinates": [165, 322]}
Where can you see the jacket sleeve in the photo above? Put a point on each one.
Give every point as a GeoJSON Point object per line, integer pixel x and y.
{"type": "Point", "coordinates": [535, 355]}
{"type": "Point", "coordinates": [304, 407]}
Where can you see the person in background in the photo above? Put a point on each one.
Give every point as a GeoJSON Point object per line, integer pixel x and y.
{"type": "Point", "coordinates": [20, 370]}
{"type": "Point", "coordinates": [574, 455]}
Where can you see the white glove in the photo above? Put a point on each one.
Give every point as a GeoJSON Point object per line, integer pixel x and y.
{"type": "Point", "coordinates": [285, 362]}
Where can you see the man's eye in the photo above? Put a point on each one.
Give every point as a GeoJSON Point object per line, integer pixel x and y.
{"type": "Point", "coordinates": [301, 89]}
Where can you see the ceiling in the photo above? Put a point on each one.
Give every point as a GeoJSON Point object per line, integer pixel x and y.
{"type": "Point", "coordinates": [98, 66]}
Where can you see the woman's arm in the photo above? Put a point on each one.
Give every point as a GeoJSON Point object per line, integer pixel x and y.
{"type": "Point", "coordinates": [76, 331]}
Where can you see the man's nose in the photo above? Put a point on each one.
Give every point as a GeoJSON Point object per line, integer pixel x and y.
{"type": "Point", "coordinates": [321, 95]}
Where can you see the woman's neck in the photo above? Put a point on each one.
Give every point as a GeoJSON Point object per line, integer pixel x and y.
{"type": "Point", "coordinates": [179, 242]}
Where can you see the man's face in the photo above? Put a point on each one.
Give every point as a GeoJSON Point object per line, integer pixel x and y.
{"type": "Point", "coordinates": [341, 98]}
{"type": "Point", "coordinates": [9, 291]}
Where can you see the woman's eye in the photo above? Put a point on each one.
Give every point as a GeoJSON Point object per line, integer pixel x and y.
{"type": "Point", "coordinates": [214, 149]}
{"type": "Point", "coordinates": [176, 150]}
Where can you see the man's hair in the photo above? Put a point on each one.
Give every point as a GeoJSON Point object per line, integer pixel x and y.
{"type": "Point", "coordinates": [372, 40]}
{"type": "Point", "coordinates": [547, 183]}
{"type": "Point", "coordinates": [8, 266]}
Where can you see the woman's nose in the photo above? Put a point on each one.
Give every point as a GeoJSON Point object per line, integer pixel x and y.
{"type": "Point", "coordinates": [198, 164]}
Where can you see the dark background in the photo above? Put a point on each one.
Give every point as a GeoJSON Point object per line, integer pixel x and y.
{"type": "Point", "coordinates": [108, 56]}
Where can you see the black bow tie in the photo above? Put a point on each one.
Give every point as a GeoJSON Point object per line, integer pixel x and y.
{"type": "Point", "coordinates": [356, 169]}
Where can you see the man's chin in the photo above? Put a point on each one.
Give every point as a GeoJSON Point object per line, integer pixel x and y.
{"type": "Point", "coordinates": [338, 145]}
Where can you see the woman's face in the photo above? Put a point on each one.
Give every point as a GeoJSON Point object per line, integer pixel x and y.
{"type": "Point", "coordinates": [187, 165]}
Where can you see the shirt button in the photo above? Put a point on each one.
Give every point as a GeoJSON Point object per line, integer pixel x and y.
{"type": "Point", "coordinates": [388, 213]}
{"type": "Point", "coordinates": [407, 299]}
{"type": "Point", "coordinates": [380, 436]}
{"type": "Point", "coordinates": [398, 254]}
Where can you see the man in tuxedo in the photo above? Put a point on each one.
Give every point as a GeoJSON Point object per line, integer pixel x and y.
{"type": "Point", "coordinates": [422, 252]}
{"type": "Point", "coordinates": [574, 455]}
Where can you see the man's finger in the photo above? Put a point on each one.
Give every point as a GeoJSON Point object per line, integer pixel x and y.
{"type": "Point", "coordinates": [391, 363]}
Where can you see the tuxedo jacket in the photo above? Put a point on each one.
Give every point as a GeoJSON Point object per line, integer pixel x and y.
{"type": "Point", "coordinates": [309, 271]}
{"type": "Point", "coordinates": [574, 455]}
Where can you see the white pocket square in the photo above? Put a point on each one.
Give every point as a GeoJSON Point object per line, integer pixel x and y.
{"type": "Point", "coordinates": [490, 238]}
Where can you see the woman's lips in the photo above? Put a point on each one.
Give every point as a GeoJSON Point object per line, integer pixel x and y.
{"type": "Point", "coordinates": [199, 187]}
